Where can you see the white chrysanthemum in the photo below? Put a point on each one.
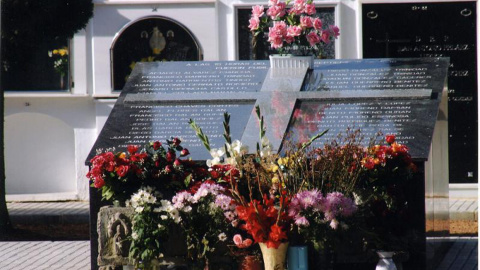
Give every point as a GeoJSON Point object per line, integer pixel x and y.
{"type": "Point", "coordinates": [164, 217]}
{"type": "Point", "coordinates": [222, 237]}
{"type": "Point", "coordinates": [134, 235]}
{"type": "Point", "coordinates": [187, 209]}
{"type": "Point", "coordinates": [216, 156]}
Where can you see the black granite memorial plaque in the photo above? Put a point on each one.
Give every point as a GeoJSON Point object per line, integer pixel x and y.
{"type": "Point", "coordinates": [373, 95]}
{"type": "Point", "coordinates": [435, 30]}
{"type": "Point", "coordinates": [263, 50]}
{"type": "Point", "coordinates": [141, 122]}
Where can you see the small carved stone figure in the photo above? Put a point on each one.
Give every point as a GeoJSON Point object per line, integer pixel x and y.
{"type": "Point", "coordinates": [118, 231]}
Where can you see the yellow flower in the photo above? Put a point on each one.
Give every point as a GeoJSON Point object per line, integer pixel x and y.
{"type": "Point", "coordinates": [132, 65]}
{"type": "Point", "coordinates": [275, 179]}
{"type": "Point", "coordinates": [55, 51]}
{"type": "Point", "coordinates": [274, 168]}
{"type": "Point", "coordinates": [122, 155]}
{"type": "Point", "coordinates": [63, 52]}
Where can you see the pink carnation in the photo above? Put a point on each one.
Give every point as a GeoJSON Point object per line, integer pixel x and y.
{"type": "Point", "coordinates": [310, 9]}
{"type": "Point", "coordinates": [317, 24]}
{"type": "Point", "coordinates": [326, 37]}
{"type": "Point", "coordinates": [313, 38]}
{"type": "Point", "coordinates": [334, 30]}
{"type": "Point", "coordinates": [294, 31]}
{"type": "Point", "coordinates": [272, 2]}
{"type": "Point", "coordinates": [257, 11]}
{"type": "Point", "coordinates": [237, 239]}
{"type": "Point", "coordinates": [254, 23]}
{"type": "Point", "coordinates": [276, 11]}
{"type": "Point", "coordinates": [306, 22]}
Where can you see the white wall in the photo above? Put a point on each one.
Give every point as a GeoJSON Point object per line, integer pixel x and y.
{"type": "Point", "coordinates": [47, 142]}
{"type": "Point", "coordinates": [111, 16]}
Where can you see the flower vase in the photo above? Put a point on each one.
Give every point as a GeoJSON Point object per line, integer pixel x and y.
{"type": "Point", "coordinates": [385, 261]}
{"type": "Point", "coordinates": [291, 61]}
{"type": "Point", "coordinates": [298, 258]}
{"type": "Point", "coordinates": [274, 258]}
{"type": "Point", "coordinates": [250, 262]}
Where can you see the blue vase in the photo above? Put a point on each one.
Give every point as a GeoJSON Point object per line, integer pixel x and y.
{"type": "Point", "coordinates": [298, 258]}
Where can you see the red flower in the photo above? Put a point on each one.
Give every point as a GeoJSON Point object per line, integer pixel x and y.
{"type": "Point", "coordinates": [390, 138]}
{"type": "Point", "coordinates": [122, 170]}
{"type": "Point", "coordinates": [170, 156]}
{"type": "Point", "coordinates": [176, 141]}
{"type": "Point", "coordinates": [138, 157]}
{"type": "Point", "coordinates": [277, 234]}
{"type": "Point", "coordinates": [368, 163]}
{"type": "Point", "coordinates": [168, 168]}
{"type": "Point", "coordinates": [132, 149]}
{"type": "Point", "coordinates": [157, 145]}
{"type": "Point", "coordinates": [99, 182]}
{"type": "Point", "coordinates": [177, 162]}
{"type": "Point", "coordinates": [184, 152]}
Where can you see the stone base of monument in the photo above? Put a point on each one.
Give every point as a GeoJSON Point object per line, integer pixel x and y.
{"type": "Point", "coordinates": [114, 226]}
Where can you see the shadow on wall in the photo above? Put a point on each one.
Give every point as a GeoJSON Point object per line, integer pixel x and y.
{"type": "Point", "coordinates": [39, 154]}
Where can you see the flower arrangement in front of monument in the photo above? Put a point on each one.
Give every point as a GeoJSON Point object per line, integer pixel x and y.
{"type": "Point", "coordinates": [291, 29]}
{"type": "Point", "coordinates": [118, 175]}
{"type": "Point", "coordinates": [276, 199]}
{"type": "Point", "coordinates": [332, 198]}
{"type": "Point", "coordinates": [60, 63]}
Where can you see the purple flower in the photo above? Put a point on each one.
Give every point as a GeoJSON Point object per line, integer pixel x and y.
{"type": "Point", "coordinates": [302, 221]}
{"type": "Point", "coordinates": [224, 202]}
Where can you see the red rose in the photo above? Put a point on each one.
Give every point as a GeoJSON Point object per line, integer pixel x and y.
{"type": "Point", "coordinates": [177, 162]}
{"type": "Point", "coordinates": [132, 149]}
{"type": "Point", "coordinates": [99, 183]}
{"type": "Point", "coordinates": [176, 141]}
{"type": "Point", "coordinates": [184, 152]}
{"type": "Point", "coordinates": [390, 138]}
{"type": "Point", "coordinates": [368, 163]}
{"type": "Point", "coordinates": [170, 156]}
{"type": "Point", "coordinates": [110, 166]}
{"type": "Point", "coordinates": [122, 170]}
{"type": "Point", "coordinates": [169, 168]}
{"type": "Point", "coordinates": [157, 145]}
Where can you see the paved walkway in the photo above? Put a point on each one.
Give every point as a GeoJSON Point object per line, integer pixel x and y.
{"type": "Point", "coordinates": [71, 255]}
{"type": "Point", "coordinates": [75, 255]}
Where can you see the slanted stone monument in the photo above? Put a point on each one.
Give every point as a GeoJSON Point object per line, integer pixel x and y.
{"type": "Point", "coordinates": [392, 96]}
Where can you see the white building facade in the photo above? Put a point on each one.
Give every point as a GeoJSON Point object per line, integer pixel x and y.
{"type": "Point", "coordinates": [48, 135]}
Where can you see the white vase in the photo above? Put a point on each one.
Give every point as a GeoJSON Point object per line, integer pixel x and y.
{"type": "Point", "coordinates": [274, 258]}
{"type": "Point", "coordinates": [291, 61]}
{"type": "Point", "coordinates": [385, 261]}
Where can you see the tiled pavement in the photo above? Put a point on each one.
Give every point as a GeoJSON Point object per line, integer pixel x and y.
{"type": "Point", "coordinates": [462, 253]}
{"type": "Point", "coordinates": [45, 255]}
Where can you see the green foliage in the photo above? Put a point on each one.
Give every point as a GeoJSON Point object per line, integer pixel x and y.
{"type": "Point", "coordinates": [200, 134]}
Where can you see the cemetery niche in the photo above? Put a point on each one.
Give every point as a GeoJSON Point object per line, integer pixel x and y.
{"type": "Point", "coordinates": [151, 39]}
{"type": "Point", "coordinates": [391, 96]}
